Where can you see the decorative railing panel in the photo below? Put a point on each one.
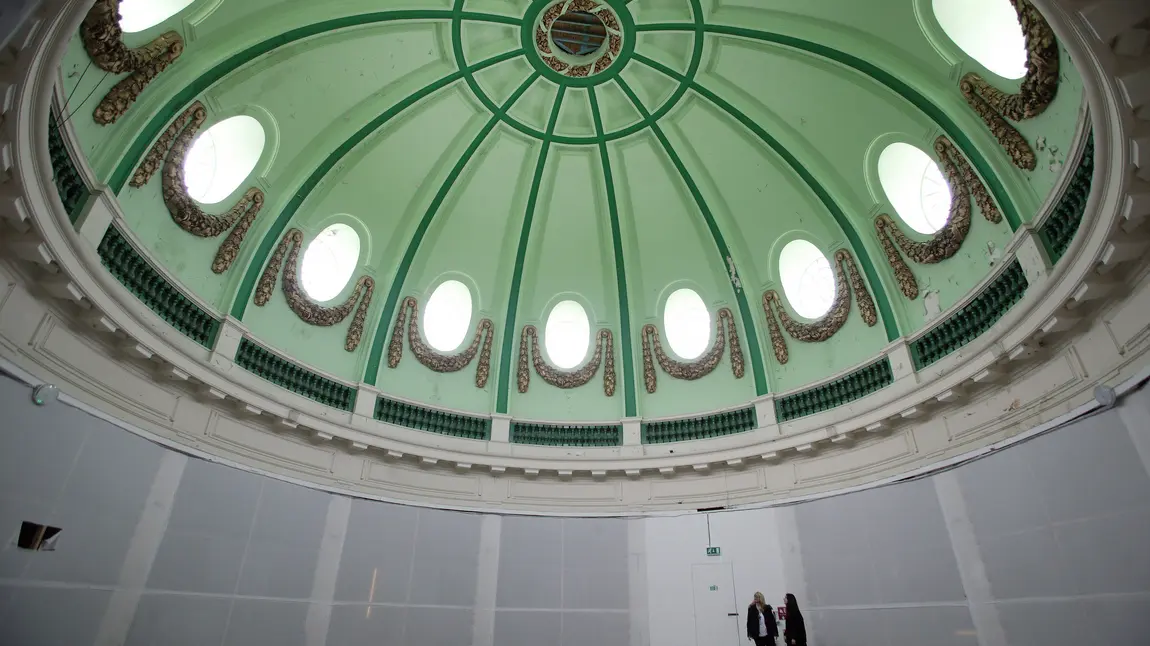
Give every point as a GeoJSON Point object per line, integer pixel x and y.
{"type": "Point", "coordinates": [567, 434]}
{"type": "Point", "coordinates": [700, 428]}
{"type": "Point", "coordinates": [128, 266]}
{"type": "Point", "coordinates": [845, 389]}
{"type": "Point", "coordinates": [422, 418]}
{"type": "Point", "coordinates": [291, 376]}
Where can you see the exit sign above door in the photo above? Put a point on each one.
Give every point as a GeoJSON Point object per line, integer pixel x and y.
{"type": "Point", "coordinates": [712, 551]}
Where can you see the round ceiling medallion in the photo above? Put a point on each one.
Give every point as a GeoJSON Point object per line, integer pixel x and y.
{"type": "Point", "coordinates": [578, 39]}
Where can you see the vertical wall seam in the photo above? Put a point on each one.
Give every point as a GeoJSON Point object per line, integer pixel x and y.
{"type": "Point", "coordinates": [145, 544]}
{"type": "Point", "coordinates": [327, 571]}
{"type": "Point", "coordinates": [968, 557]}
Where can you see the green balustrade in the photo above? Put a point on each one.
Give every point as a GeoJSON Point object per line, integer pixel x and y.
{"type": "Point", "coordinates": [70, 185]}
{"type": "Point", "coordinates": [976, 317]}
{"type": "Point", "coordinates": [128, 266]}
{"type": "Point", "coordinates": [1060, 227]}
{"type": "Point", "coordinates": [845, 389]}
{"type": "Point", "coordinates": [431, 420]}
{"type": "Point", "coordinates": [567, 434]}
{"type": "Point", "coordinates": [700, 428]}
{"type": "Point", "coordinates": [286, 374]}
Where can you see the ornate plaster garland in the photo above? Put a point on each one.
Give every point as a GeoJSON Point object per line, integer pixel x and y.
{"type": "Point", "coordinates": [701, 367]}
{"type": "Point", "coordinates": [831, 322]}
{"type": "Point", "coordinates": [484, 332]}
{"type": "Point", "coordinates": [307, 310]}
{"type": "Point", "coordinates": [563, 378]}
{"type": "Point", "coordinates": [176, 141]}
{"type": "Point", "coordinates": [963, 183]}
{"type": "Point", "coordinates": [1037, 91]}
{"type": "Point", "coordinates": [104, 41]}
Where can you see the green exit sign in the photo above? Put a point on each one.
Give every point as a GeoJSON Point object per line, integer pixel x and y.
{"type": "Point", "coordinates": [712, 551]}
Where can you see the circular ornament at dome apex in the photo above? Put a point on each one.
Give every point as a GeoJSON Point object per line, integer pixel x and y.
{"type": "Point", "coordinates": [577, 39]}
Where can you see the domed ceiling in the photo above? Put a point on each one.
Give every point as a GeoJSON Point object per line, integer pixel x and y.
{"type": "Point", "coordinates": [574, 210]}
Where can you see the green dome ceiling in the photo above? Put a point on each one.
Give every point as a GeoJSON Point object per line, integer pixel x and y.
{"type": "Point", "coordinates": [686, 151]}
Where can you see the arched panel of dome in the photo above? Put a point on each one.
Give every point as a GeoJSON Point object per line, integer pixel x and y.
{"type": "Point", "coordinates": [811, 121]}
{"type": "Point", "coordinates": [388, 182]}
{"type": "Point", "coordinates": [471, 236]}
{"type": "Point", "coordinates": [570, 256]}
{"type": "Point", "coordinates": [668, 245]}
{"type": "Point", "coordinates": [309, 107]}
{"type": "Point", "coordinates": [762, 204]}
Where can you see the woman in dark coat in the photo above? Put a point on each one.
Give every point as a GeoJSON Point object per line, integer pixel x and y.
{"type": "Point", "coordinates": [795, 633]}
{"type": "Point", "coordinates": [761, 626]}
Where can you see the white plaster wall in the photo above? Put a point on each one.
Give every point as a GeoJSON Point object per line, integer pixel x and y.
{"type": "Point", "coordinates": [749, 540]}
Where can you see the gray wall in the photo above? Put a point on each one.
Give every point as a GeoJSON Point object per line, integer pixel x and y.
{"type": "Point", "coordinates": [1054, 534]}
{"type": "Point", "coordinates": [1046, 543]}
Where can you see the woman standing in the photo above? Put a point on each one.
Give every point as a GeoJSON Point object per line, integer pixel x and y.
{"type": "Point", "coordinates": [761, 626]}
{"type": "Point", "coordinates": [795, 633]}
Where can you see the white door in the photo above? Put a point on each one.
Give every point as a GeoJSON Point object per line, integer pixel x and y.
{"type": "Point", "coordinates": [717, 617]}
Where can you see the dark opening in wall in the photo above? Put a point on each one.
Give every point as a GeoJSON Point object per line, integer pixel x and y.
{"type": "Point", "coordinates": [37, 537]}
{"type": "Point", "coordinates": [578, 33]}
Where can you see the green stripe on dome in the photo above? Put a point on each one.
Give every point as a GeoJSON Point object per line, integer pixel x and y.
{"type": "Point", "coordinates": [881, 76]}
{"type": "Point", "coordinates": [749, 329]}
{"type": "Point", "coordinates": [520, 258]}
{"type": "Point", "coordinates": [380, 341]}
{"type": "Point", "coordinates": [847, 226]}
{"type": "Point", "coordinates": [620, 266]}
{"type": "Point", "coordinates": [271, 236]}
{"type": "Point", "coordinates": [181, 99]}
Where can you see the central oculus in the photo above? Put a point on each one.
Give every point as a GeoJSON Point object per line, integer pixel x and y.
{"type": "Point", "coordinates": [578, 38]}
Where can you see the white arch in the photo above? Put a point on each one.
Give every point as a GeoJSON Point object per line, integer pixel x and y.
{"type": "Point", "coordinates": [686, 323]}
{"type": "Point", "coordinates": [915, 186]}
{"type": "Point", "coordinates": [808, 279]}
{"type": "Point", "coordinates": [222, 157]}
{"type": "Point", "coordinates": [447, 316]}
{"type": "Point", "coordinates": [138, 15]}
{"type": "Point", "coordinates": [987, 31]}
{"type": "Point", "coordinates": [567, 335]}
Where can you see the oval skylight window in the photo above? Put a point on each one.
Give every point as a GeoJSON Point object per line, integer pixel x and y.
{"type": "Point", "coordinates": [808, 280]}
{"type": "Point", "coordinates": [686, 323]}
{"type": "Point", "coordinates": [447, 315]}
{"type": "Point", "coordinates": [138, 15]}
{"type": "Point", "coordinates": [567, 335]}
{"type": "Point", "coordinates": [987, 31]}
{"type": "Point", "coordinates": [915, 186]}
{"type": "Point", "coordinates": [222, 157]}
{"type": "Point", "coordinates": [329, 261]}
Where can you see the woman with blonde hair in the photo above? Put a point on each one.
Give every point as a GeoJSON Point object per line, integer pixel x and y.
{"type": "Point", "coordinates": [761, 626]}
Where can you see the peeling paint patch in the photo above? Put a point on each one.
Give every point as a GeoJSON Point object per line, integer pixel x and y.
{"type": "Point", "coordinates": [931, 305]}
{"type": "Point", "coordinates": [993, 253]}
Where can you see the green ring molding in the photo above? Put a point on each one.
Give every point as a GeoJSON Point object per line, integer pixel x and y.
{"type": "Point", "coordinates": [889, 322]}
{"type": "Point", "coordinates": [571, 140]}
{"type": "Point", "coordinates": [271, 236]}
{"type": "Point", "coordinates": [376, 357]}
{"type": "Point", "coordinates": [521, 257]}
{"type": "Point", "coordinates": [881, 76]}
{"type": "Point", "coordinates": [620, 265]}
{"type": "Point", "coordinates": [527, 36]}
{"type": "Point", "coordinates": [749, 329]}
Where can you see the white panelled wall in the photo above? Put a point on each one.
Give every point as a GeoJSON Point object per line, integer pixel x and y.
{"type": "Point", "coordinates": [1041, 544]}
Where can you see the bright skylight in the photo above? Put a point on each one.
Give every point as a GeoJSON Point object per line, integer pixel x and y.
{"type": "Point", "coordinates": [988, 31]}
{"type": "Point", "coordinates": [447, 316]}
{"type": "Point", "coordinates": [808, 280]}
{"type": "Point", "coordinates": [567, 335]}
{"type": "Point", "coordinates": [915, 186]}
{"type": "Point", "coordinates": [222, 157]}
{"type": "Point", "coordinates": [329, 261]}
{"type": "Point", "coordinates": [686, 323]}
{"type": "Point", "coordinates": [138, 15]}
